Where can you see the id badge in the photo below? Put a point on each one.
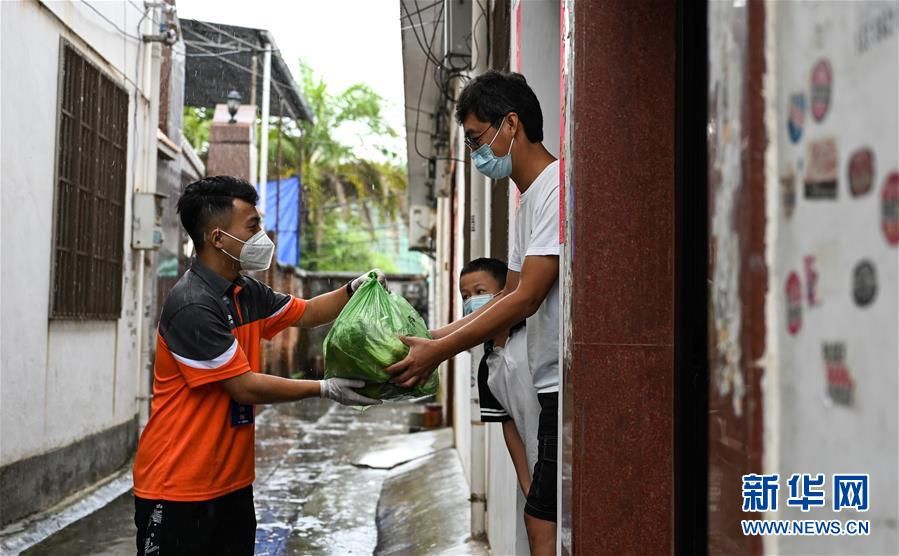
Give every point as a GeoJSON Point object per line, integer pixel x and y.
{"type": "Point", "coordinates": [241, 414]}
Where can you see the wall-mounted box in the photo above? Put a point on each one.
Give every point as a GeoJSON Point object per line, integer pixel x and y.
{"type": "Point", "coordinates": [146, 230]}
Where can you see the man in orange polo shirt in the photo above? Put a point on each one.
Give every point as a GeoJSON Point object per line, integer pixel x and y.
{"type": "Point", "coordinates": [194, 469]}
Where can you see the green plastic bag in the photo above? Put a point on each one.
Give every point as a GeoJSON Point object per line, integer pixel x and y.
{"type": "Point", "coordinates": [364, 340]}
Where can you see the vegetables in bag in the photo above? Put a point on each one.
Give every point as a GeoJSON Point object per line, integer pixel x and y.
{"type": "Point", "coordinates": [364, 340]}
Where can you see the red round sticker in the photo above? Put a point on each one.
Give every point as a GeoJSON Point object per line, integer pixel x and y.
{"type": "Point", "coordinates": [822, 86]}
{"type": "Point", "coordinates": [889, 216]}
{"type": "Point", "coordinates": [794, 303]}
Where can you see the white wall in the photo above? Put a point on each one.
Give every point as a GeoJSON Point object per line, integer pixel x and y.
{"type": "Point", "coordinates": [505, 527]}
{"type": "Point", "coordinates": [60, 380]}
{"type": "Point", "coordinates": [807, 429]}
{"type": "Point", "coordinates": [539, 57]}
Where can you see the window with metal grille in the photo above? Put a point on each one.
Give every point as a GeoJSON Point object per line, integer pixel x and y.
{"type": "Point", "coordinates": [90, 192]}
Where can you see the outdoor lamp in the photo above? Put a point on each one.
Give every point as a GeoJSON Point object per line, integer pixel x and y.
{"type": "Point", "coordinates": [233, 104]}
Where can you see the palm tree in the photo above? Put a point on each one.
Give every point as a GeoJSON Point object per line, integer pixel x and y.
{"type": "Point", "coordinates": [364, 192]}
{"type": "Point", "coordinates": [335, 176]}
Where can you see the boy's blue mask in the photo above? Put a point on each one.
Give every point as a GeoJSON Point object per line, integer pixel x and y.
{"type": "Point", "coordinates": [492, 166]}
{"type": "Point", "coordinates": [474, 303]}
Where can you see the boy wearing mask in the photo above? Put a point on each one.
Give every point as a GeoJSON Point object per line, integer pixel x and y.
{"type": "Point", "coordinates": [505, 387]}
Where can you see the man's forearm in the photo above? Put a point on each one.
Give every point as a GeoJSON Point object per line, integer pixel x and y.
{"type": "Point", "coordinates": [324, 308]}
{"type": "Point", "coordinates": [257, 388]}
{"type": "Point", "coordinates": [444, 331]}
{"type": "Point", "coordinates": [333, 303]}
{"type": "Point", "coordinates": [489, 322]}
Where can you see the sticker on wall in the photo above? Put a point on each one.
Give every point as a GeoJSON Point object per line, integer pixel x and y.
{"type": "Point", "coordinates": [889, 215]}
{"type": "Point", "coordinates": [796, 119]}
{"type": "Point", "coordinates": [840, 384]}
{"type": "Point", "coordinates": [821, 172]}
{"type": "Point", "coordinates": [864, 283]}
{"type": "Point", "coordinates": [811, 281]}
{"type": "Point", "coordinates": [794, 303]}
{"type": "Point", "coordinates": [822, 88]}
{"type": "Point", "coordinates": [788, 192]}
{"type": "Point", "coordinates": [861, 172]}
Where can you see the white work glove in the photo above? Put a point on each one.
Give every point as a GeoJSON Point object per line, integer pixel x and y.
{"type": "Point", "coordinates": [341, 391]}
{"type": "Point", "coordinates": [357, 283]}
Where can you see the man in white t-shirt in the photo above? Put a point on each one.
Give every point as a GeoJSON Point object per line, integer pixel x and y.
{"type": "Point", "coordinates": [503, 126]}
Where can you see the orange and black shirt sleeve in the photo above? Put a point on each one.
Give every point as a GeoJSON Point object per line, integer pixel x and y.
{"type": "Point", "coordinates": [200, 340]}
{"type": "Point", "coordinates": [275, 310]}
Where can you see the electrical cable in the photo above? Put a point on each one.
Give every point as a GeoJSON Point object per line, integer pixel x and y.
{"type": "Point", "coordinates": [439, 65]}
{"type": "Point", "coordinates": [414, 25]}
{"type": "Point", "coordinates": [421, 90]}
{"type": "Point", "coordinates": [111, 22]}
{"type": "Point", "coordinates": [227, 61]}
{"type": "Point", "coordinates": [203, 55]}
{"type": "Point", "coordinates": [420, 41]}
{"type": "Point", "coordinates": [418, 11]}
{"type": "Point", "coordinates": [245, 42]}
{"type": "Point", "coordinates": [474, 36]}
{"type": "Point", "coordinates": [489, 27]}
{"type": "Point", "coordinates": [138, 8]}
{"type": "Point", "coordinates": [231, 36]}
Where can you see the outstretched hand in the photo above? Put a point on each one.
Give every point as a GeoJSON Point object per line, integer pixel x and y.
{"type": "Point", "coordinates": [341, 390]}
{"type": "Point", "coordinates": [357, 283]}
{"type": "Point", "coordinates": [424, 356]}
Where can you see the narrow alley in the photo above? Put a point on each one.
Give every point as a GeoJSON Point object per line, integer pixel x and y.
{"type": "Point", "coordinates": [449, 277]}
{"type": "Point", "coordinates": [320, 471]}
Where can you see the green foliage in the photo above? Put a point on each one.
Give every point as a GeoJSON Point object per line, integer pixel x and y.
{"type": "Point", "coordinates": [346, 245]}
{"type": "Point", "coordinates": [195, 128]}
{"type": "Point", "coordinates": [346, 193]}
{"type": "Point", "coordinates": [339, 181]}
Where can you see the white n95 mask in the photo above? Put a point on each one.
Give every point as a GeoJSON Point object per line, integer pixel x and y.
{"type": "Point", "coordinates": [256, 253]}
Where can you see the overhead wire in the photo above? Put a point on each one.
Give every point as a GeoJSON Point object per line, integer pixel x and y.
{"type": "Point", "coordinates": [225, 60]}
{"type": "Point", "coordinates": [231, 36]}
{"type": "Point", "coordinates": [442, 75]}
{"type": "Point", "coordinates": [204, 55]}
{"type": "Point", "coordinates": [134, 126]}
{"type": "Point", "coordinates": [234, 37]}
{"type": "Point", "coordinates": [111, 22]}
{"type": "Point", "coordinates": [419, 10]}
{"type": "Point", "coordinates": [423, 80]}
{"type": "Point", "coordinates": [414, 25]}
{"type": "Point", "coordinates": [483, 16]}
{"type": "Point", "coordinates": [429, 55]}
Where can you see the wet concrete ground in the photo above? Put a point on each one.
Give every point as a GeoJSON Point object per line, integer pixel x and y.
{"type": "Point", "coordinates": [424, 509]}
{"type": "Point", "coordinates": [310, 499]}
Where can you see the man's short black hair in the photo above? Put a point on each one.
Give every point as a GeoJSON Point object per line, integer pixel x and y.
{"type": "Point", "coordinates": [211, 198]}
{"type": "Point", "coordinates": [493, 94]}
{"type": "Point", "coordinates": [494, 267]}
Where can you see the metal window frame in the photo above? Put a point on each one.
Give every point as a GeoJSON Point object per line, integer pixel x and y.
{"type": "Point", "coordinates": [92, 286]}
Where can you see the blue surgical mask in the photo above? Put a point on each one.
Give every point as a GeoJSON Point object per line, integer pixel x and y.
{"type": "Point", "coordinates": [492, 166]}
{"type": "Point", "coordinates": [474, 303]}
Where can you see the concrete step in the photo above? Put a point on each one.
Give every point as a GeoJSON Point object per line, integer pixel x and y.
{"type": "Point", "coordinates": [424, 509]}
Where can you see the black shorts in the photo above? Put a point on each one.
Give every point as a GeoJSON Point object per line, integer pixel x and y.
{"type": "Point", "coordinates": [542, 496]}
{"type": "Point", "coordinates": [224, 525]}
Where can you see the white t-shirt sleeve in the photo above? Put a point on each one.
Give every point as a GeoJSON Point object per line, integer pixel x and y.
{"type": "Point", "coordinates": [544, 238]}
{"type": "Point", "coordinates": [514, 255]}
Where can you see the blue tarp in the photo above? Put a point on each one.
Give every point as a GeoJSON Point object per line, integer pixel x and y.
{"type": "Point", "coordinates": [284, 221]}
